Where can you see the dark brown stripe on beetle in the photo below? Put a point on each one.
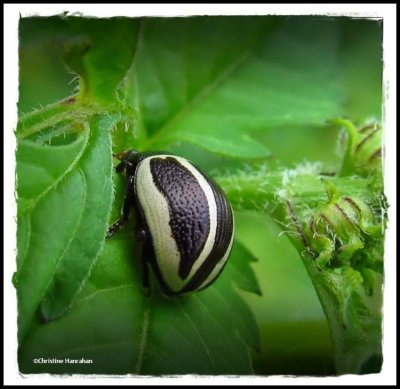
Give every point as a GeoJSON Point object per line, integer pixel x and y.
{"type": "Point", "coordinates": [222, 240]}
{"type": "Point", "coordinates": [188, 209]}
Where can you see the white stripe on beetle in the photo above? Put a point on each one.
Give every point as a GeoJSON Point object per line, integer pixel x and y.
{"type": "Point", "coordinates": [156, 210]}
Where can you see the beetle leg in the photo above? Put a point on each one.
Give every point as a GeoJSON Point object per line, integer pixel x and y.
{"type": "Point", "coordinates": [126, 209]}
{"type": "Point", "coordinates": [120, 167]}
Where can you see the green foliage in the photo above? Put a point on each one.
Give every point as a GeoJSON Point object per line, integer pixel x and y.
{"type": "Point", "coordinates": [342, 249]}
{"type": "Point", "coordinates": [65, 207]}
{"type": "Point", "coordinates": [100, 51]}
{"type": "Point", "coordinates": [337, 226]}
{"type": "Point", "coordinates": [361, 58]}
{"type": "Point", "coordinates": [122, 331]}
{"type": "Point", "coordinates": [362, 148]}
{"type": "Point", "coordinates": [338, 229]}
{"type": "Point", "coordinates": [215, 92]}
{"type": "Point", "coordinates": [230, 93]}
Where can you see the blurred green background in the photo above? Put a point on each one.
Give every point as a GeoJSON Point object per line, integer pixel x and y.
{"type": "Point", "coordinates": [294, 332]}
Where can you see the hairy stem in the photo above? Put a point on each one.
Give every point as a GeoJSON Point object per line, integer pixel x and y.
{"type": "Point", "coordinates": [336, 224]}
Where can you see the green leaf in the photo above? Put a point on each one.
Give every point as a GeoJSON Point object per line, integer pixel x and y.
{"type": "Point", "coordinates": [122, 331]}
{"type": "Point", "coordinates": [100, 51]}
{"type": "Point", "coordinates": [139, 335]}
{"type": "Point", "coordinates": [213, 92]}
{"type": "Point", "coordinates": [65, 224]}
{"type": "Point", "coordinates": [361, 61]}
{"type": "Point", "coordinates": [41, 167]}
{"type": "Point", "coordinates": [43, 76]}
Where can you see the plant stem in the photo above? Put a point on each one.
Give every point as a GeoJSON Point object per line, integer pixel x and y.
{"type": "Point", "coordinates": [348, 286]}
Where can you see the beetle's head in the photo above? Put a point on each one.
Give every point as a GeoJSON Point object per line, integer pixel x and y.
{"type": "Point", "coordinates": [129, 160]}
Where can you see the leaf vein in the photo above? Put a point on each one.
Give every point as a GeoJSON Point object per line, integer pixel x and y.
{"type": "Point", "coordinates": [206, 349]}
{"type": "Point", "coordinates": [68, 244]}
{"type": "Point", "coordinates": [143, 341]}
{"type": "Point", "coordinates": [201, 95]}
{"type": "Point", "coordinates": [36, 199]}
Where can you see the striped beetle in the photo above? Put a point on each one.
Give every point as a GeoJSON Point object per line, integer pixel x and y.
{"type": "Point", "coordinates": [185, 220]}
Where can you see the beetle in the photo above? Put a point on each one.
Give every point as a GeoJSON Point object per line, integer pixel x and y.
{"type": "Point", "coordinates": [186, 222]}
